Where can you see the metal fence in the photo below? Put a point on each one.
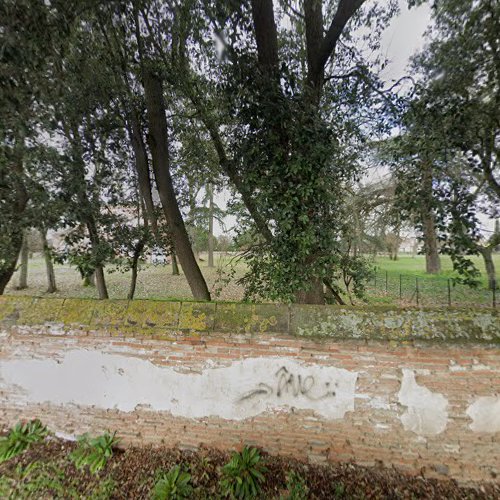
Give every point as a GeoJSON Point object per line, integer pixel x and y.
{"type": "Point", "coordinates": [387, 287]}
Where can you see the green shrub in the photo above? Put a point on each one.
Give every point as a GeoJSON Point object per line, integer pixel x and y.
{"type": "Point", "coordinates": [296, 487]}
{"type": "Point", "coordinates": [173, 485]}
{"type": "Point", "coordinates": [243, 474]}
{"type": "Point", "coordinates": [94, 452]}
{"type": "Point", "coordinates": [21, 436]}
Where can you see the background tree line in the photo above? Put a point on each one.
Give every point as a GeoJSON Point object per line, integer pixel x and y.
{"type": "Point", "coordinates": [143, 106]}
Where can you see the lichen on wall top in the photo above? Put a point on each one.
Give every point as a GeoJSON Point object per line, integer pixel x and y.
{"type": "Point", "coordinates": [143, 317]}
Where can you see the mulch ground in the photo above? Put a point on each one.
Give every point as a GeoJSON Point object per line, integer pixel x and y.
{"type": "Point", "coordinates": [131, 473]}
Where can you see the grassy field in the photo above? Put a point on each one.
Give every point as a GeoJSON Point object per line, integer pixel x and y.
{"type": "Point", "coordinates": [154, 282]}
{"type": "Point", "coordinates": [158, 282]}
{"type": "Point", "coordinates": [415, 266]}
{"type": "Point", "coordinates": [405, 282]}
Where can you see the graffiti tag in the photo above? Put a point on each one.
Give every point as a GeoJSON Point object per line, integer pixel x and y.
{"type": "Point", "coordinates": [288, 383]}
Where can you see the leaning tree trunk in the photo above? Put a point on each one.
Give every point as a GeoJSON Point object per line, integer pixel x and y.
{"type": "Point", "coordinates": [158, 138]}
{"type": "Point", "coordinates": [23, 270]}
{"type": "Point", "coordinates": [432, 261]}
{"type": "Point", "coordinates": [8, 269]}
{"type": "Point", "coordinates": [49, 265]}
{"type": "Point", "coordinates": [487, 253]}
{"type": "Point", "coordinates": [12, 237]}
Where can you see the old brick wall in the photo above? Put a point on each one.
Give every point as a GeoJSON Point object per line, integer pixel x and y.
{"type": "Point", "coordinates": [415, 389]}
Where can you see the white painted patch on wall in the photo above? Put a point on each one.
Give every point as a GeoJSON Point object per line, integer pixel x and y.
{"type": "Point", "coordinates": [242, 390]}
{"type": "Point", "coordinates": [485, 414]}
{"type": "Point", "coordinates": [427, 413]}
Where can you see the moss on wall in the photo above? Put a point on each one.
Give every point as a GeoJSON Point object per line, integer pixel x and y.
{"type": "Point", "coordinates": [162, 319]}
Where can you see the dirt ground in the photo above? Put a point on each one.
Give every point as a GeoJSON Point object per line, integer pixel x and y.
{"type": "Point", "coordinates": [45, 471]}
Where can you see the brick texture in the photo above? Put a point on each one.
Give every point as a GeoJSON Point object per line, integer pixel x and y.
{"type": "Point", "coordinates": [370, 434]}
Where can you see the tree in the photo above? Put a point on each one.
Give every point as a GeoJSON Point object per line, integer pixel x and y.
{"type": "Point", "coordinates": [453, 131]}
{"type": "Point", "coordinates": [462, 67]}
{"type": "Point", "coordinates": [286, 152]}
{"type": "Point", "coordinates": [22, 65]}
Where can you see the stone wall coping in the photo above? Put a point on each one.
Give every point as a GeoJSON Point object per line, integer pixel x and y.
{"type": "Point", "coordinates": [166, 318]}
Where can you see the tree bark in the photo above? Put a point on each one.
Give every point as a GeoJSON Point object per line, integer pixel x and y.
{"type": "Point", "coordinates": [487, 253]}
{"type": "Point", "coordinates": [175, 266]}
{"type": "Point", "coordinates": [49, 266]}
{"type": "Point", "coordinates": [314, 295]}
{"type": "Point", "coordinates": [23, 269]}
{"type": "Point", "coordinates": [142, 168]}
{"type": "Point", "coordinates": [432, 260]}
{"type": "Point", "coordinates": [8, 269]}
{"type": "Point", "coordinates": [100, 282]}
{"type": "Point", "coordinates": [158, 140]}
{"type": "Point", "coordinates": [211, 226]}
{"type": "Point", "coordinates": [135, 264]}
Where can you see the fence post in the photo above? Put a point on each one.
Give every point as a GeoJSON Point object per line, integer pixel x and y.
{"type": "Point", "coordinates": [416, 289]}
{"type": "Point", "coordinates": [449, 293]}
{"type": "Point", "coordinates": [386, 281]}
{"type": "Point", "coordinates": [400, 287]}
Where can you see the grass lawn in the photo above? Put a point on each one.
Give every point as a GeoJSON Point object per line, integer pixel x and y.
{"type": "Point", "coordinates": [404, 282]}
{"type": "Point", "coordinates": [415, 266]}
{"type": "Point", "coordinates": [157, 282]}
{"type": "Point", "coordinates": [154, 282]}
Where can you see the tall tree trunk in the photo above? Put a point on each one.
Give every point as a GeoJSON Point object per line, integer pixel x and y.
{"type": "Point", "coordinates": [135, 264]}
{"type": "Point", "coordinates": [23, 270]}
{"type": "Point", "coordinates": [158, 138]}
{"type": "Point", "coordinates": [211, 226]}
{"type": "Point", "coordinates": [142, 168]}
{"type": "Point", "coordinates": [175, 266]}
{"type": "Point", "coordinates": [87, 214]}
{"type": "Point", "coordinates": [100, 282]}
{"type": "Point", "coordinates": [487, 253]}
{"type": "Point", "coordinates": [314, 295]}
{"type": "Point", "coordinates": [432, 261]}
{"type": "Point", "coordinates": [49, 266]}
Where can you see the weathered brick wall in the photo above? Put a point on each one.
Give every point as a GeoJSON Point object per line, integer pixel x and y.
{"type": "Point", "coordinates": [415, 389]}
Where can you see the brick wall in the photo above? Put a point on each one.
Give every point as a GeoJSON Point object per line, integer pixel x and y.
{"type": "Point", "coordinates": [416, 389]}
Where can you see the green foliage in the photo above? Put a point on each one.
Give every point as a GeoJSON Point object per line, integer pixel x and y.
{"type": "Point", "coordinates": [339, 490]}
{"type": "Point", "coordinates": [48, 480]}
{"type": "Point", "coordinates": [296, 487]}
{"type": "Point", "coordinates": [173, 485]}
{"type": "Point", "coordinates": [21, 436]}
{"type": "Point", "coordinates": [243, 475]}
{"type": "Point", "coordinates": [94, 452]}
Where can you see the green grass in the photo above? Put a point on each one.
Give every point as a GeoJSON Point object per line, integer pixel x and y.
{"type": "Point", "coordinates": [415, 266]}
{"type": "Point", "coordinates": [396, 282]}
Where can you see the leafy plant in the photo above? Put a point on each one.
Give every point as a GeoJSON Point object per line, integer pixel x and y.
{"type": "Point", "coordinates": [296, 487]}
{"type": "Point", "coordinates": [21, 436]}
{"type": "Point", "coordinates": [37, 480]}
{"type": "Point", "coordinates": [339, 490]}
{"type": "Point", "coordinates": [243, 475]}
{"type": "Point", "coordinates": [173, 485]}
{"type": "Point", "coordinates": [94, 452]}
